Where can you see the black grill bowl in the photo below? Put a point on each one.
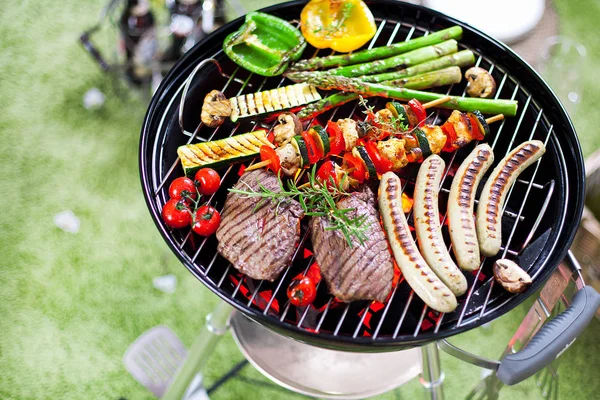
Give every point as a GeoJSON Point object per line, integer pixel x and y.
{"type": "Point", "coordinates": [404, 321]}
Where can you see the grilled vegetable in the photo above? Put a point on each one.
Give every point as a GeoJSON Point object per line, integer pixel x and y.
{"type": "Point", "coordinates": [206, 220]}
{"type": "Point", "coordinates": [338, 60]}
{"type": "Point", "coordinates": [267, 153]}
{"type": "Point", "coordinates": [461, 201]}
{"type": "Point", "coordinates": [287, 158]}
{"type": "Point", "coordinates": [320, 137]}
{"type": "Point", "coordinates": [512, 277]}
{"type": "Point", "coordinates": [491, 203]}
{"type": "Point", "coordinates": [341, 25]}
{"type": "Point", "coordinates": [182, 188]}
{"type": "Point", "coordinates": [264, 44]}
{"type": "Point", "coordinates": [208, 181]}
{"type": "Point", "coordinates": [302, 291]}
{"type": "Point", "coordinates": [485, 106]}
{"type": "Point", "coordinates": [176, 213]}
{"type": "Point", "coordinates": [361, 153]}
{"type": "Point", "coordinates": [427, 225]}
{"type": "Point", "coordinates": [272, 100]}
{"type": "Point", "coordinates": [288, 126]}
{"type": "Point", "coordinates": [480, 83]}
{"type": "Point", "coordinates": [215, 109]}
{"type": "Point", "coordinates": [423, 142]}
{"type": "Point", "coordinates": [221, 152]}
{"type": "Point", "coordinates": [414, 268]}
{"type": "Point", "coordinates": [301, 149]}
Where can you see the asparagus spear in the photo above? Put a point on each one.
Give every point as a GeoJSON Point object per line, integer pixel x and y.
{"type": "Point", "coordinates": [485, 106]}
{"type": "Point", "coordinates": [403, 60]}
{"type": "Point", "coordinates": [428, 80]}
{"type": "Point", "coordinates": [463, 58]}
{"type": "Point", "coordinates": [339, 60]}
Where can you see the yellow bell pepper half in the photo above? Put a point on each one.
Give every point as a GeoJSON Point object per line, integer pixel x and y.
{"type": "Point", "coordinates": [341, 25]}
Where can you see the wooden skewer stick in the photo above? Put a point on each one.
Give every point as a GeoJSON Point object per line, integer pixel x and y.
{"type": "Point", "coordinates": [436, 102]}
{"type": "Point", "coordinates": [258, 165]}
{"type": "Point", "coordinates": [495, 118]}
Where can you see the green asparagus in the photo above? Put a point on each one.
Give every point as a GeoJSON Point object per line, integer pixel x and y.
{"type": "Point", "coordinates": [463, 58]}
{"type": "Point", "coordinates": [403, 60]}
{"type": "Point", "coordinates": [428, 80]}
{"type": "Point", "coordinates": [485, 106]}
{"type": "Point", "coordinates": [363, 56]}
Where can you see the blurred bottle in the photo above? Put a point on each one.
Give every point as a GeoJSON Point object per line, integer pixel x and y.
{"type": "Point", "coordinates": [184, 27]}
{"type": "Point", "coordinates": [138, 40]}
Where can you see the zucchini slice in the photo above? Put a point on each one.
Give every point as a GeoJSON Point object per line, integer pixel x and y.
{"type": "Point", "coordinates": [423, 142]}
{"type": "Point", "coordinates": [222, 152]}
{"type": "Point", "coordinates": [398, 111]}
{"type": "Point", "coordinates": [301, 149]}
{"type": "Point", "coordinates": [361, 152]}
{"type": "Point", "coordinates": [320, 137]}
{"type": "Point", "coordinates": [483, 125]}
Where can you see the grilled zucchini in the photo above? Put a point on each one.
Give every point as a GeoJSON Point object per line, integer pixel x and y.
{"type": "Point", "coordinates": [252, 104]}
{"type": "Point", "coordinates": [222, 152]}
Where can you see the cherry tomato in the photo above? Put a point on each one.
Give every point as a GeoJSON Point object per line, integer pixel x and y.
{"type": "Point", "coordinates": [356, 168]}
{"type": "Point", "coordinates": [336, 138]}
{"type": "Point", "coordinates": [267, 153]}
{"type": "Point", "coordinates": [182, 187]}
{"type": "Point", "coordinates": [326, 172]}
{"type": "Point", "coordinates": [419, 111]}
{"type": "Point", "coordinates": [208, 181]}
{"type": "Point", "coordinates": [314, 154]}
{"type": "Point", "coordinates": [206, 221]}
{"type": "Point", "coordinates": [177, 214]}
{"type": "Point", "coordinates": [382, 164]}
{"type": "Point", "coordinates": [451, 136]}
{"type": "Point", "coordinates": [302, 292]}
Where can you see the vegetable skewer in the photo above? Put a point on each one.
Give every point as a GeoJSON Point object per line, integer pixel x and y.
{"type": "Point", "coordinates": [454, 32]}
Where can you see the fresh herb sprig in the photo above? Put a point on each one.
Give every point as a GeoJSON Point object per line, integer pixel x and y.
{"type": "Point", "coordinates": [334, 27]}
{"type": "Point", "coordinates": [317, 200]}
{"type": "Point", "coordinates": [395, 125]}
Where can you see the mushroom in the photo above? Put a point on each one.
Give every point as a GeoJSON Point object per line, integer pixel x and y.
{"type": "Point", "coordinates": [512, 278]}
{"type": "Point", "coordinates": [289, 126]}
{"type": "Point", "coordinates": [480, 83]}
{"type": "Point", "coordinates": [215, 109]}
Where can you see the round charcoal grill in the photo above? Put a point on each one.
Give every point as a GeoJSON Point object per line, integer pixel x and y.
{"type": "Point", "coordinates": [539, 220]}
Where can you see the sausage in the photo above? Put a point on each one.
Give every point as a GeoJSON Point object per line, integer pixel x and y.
{"type": "Point", "coordinates": [414, 268]}
{"type": "Point", "coordinates": [491, 203]}
{"type": "Point", "coordinates": [427, 225]}
{"type": "Point", "coordinates": [461, 201]}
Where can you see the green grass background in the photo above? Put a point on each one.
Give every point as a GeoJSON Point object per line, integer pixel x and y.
{"type": "Point", "coordinates": [71, 304]}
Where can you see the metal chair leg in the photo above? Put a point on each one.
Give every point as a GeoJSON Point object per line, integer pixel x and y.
{"type": "Point", "coordinates": [217, 324]}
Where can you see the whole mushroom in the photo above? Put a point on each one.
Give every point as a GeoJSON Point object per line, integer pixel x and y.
{"type": "Point", "coordinates": [480, 83]}
{"type": "Point", "coordinates": [512, 277]}
{"type": "Point", "coordinates": [215, 109]}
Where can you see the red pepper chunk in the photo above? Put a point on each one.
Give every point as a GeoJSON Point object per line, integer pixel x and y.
{"type": "Point", "coordinates": [314, 154]}
{"type": "Point", "coordinates": [416, 106]}
{"type": "Point", "coordinates": [451, 137]}
{"type": "Point", "coordinates": [326, 173]}
{"type": "Point", "coordinates": [267, 153]}
{"type": "Point", "coordinates": [356, 168]}
{"type": "Point", "coordinates": [337, 143]}
{"type": "Point", "coordinates": [382, 164]}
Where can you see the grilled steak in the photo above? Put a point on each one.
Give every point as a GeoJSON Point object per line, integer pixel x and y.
{"type": "Point", "coordinates": [259, 239]}
{"type": "Point", "coordinates": [363, 271]}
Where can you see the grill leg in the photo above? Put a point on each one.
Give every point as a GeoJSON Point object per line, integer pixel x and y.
{"type": "Point", "coordinates": [217, 324]}
{"type": "Point", "coordinates": [432, 376]}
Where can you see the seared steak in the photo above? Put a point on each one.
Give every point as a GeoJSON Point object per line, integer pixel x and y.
{"type": "Point", "coordinates": [363, 271]}
{"type": "Point", "coordinates": [259, 239]}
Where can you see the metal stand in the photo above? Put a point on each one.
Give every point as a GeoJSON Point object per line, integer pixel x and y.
{"type": "Point", "coordinates": [432, 376]}
{"type": "Point", "coordinates": [217, 324]}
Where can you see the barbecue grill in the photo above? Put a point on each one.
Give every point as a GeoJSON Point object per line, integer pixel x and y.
{"type": "Point", "coordinates": [539, 221]}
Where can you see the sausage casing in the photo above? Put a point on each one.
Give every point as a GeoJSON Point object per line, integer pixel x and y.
{"type": "Point", "coordinates": [461, 201]}
{"type": "Point", "coordinates": [427, 224]}
{"type": "Point", "coordinates": [414, 268]}
{"type": "Point", "coordinates": [493, 196]}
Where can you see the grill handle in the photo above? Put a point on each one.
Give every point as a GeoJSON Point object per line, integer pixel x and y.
{"type": "Point", "coordinates": [551, 340]}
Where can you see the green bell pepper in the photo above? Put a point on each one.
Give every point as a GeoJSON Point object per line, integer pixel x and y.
{"type": "Point", "coordinates": [265, 44]}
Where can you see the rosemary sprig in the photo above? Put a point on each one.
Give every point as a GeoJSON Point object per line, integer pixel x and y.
{"type": "Point", "coordinates": [396, 125]}
{"type": "Point", "coordinates": [317, 200]}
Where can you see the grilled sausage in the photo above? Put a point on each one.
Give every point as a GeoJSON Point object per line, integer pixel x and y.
{"type": "Point", "coordinates": [461, 222]}
{"type": "Point", "coordinates": [491, 203]}
{"type": "Point", "coordinates": [427, 225]}
{"type": "Point", "coordinates": [414, 268]}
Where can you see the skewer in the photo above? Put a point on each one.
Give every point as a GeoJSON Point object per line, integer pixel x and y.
{"type": "Point", "coordinates": [495, 118]}
{"type": "Point", "coordinates": [432, 103]}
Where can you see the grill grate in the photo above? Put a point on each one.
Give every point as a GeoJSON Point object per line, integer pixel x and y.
{"type": "Point", "coordinates": [404, 314]}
